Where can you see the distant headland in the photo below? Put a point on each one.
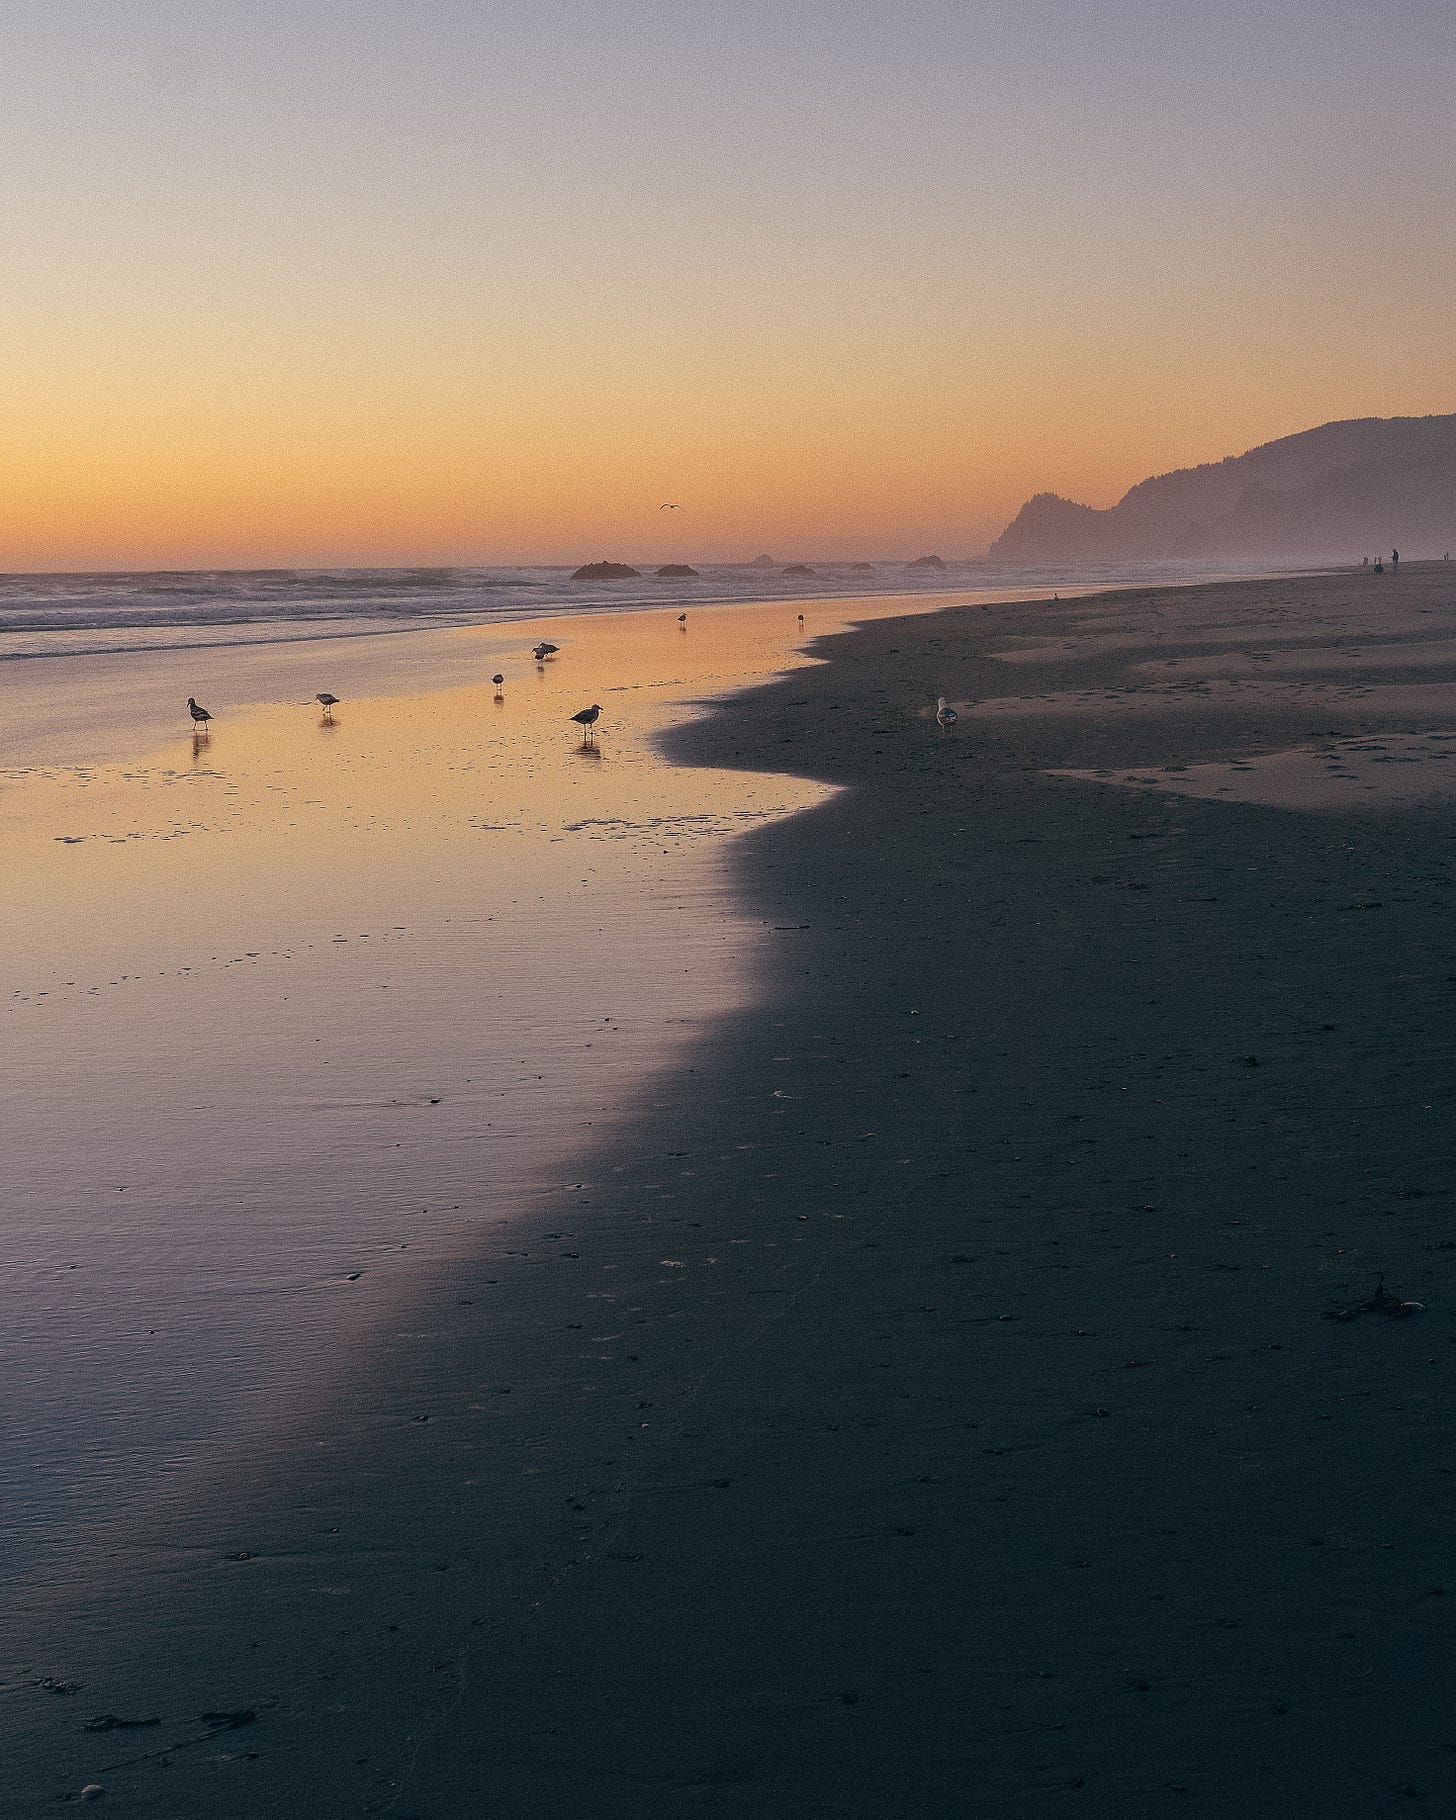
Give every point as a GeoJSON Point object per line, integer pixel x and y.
{"type": "Point", "coordinates": [1335, 493]}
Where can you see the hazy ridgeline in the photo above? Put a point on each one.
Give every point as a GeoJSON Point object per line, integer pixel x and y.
{"type": "Point", "coordinates": [1332, 494]}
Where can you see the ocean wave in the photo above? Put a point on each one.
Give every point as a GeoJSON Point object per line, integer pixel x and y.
{"type": "Point", "coordinates": [57, 615]}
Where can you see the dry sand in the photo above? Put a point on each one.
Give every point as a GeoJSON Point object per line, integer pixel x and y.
{"type": "Point", "coordinates": [926, 1407]}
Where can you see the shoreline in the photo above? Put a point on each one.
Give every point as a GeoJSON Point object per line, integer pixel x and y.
{"type": "Point", "coordinates": [143, 685]}
{"type": "Point", "coordinates": [927, 1404]}
{"type": "Point", "coordinates": [1000, 584]}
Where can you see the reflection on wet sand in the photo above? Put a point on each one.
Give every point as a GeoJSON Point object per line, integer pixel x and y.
{"type": "Point", "coordinates": [402, 941]}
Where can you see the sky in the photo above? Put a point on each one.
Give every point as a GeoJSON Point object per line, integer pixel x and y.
{"type": "Point", "coordinates": [490, 281]}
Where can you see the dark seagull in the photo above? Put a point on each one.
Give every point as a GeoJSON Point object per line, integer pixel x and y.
{"type": "Point", "coordinates": [200, 716]}
{"type": "Point", "coordinates": [497, 679]}
{"type": "Point", "coordinates": [327, 702]}
{"type": "Point", "coordinates": [587, 719]}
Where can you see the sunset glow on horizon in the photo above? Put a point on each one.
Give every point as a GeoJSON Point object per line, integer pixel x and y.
{"type": "Point", "coordinates": [300, 282]}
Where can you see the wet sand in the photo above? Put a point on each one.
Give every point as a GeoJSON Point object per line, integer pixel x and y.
{"type": "Point", "coordinates": [925, 1405]}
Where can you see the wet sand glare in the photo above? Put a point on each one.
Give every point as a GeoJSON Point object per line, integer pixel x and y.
{"type": "Point", "coordinates": [291, 1007]}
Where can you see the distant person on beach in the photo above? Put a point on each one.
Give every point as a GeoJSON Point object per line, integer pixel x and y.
{"type": "Point", "coordinates": [1379, 566]}
{"type": "Point", "coordinates": [1395, 559]}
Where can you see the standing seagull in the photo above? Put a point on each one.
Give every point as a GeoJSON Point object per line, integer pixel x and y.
{"type": "Point", "coordinates": [682, 620]}
{"type": "Point", "coordinates": [947, 716]}
{"type": "Point", "coordinates": [587, 720]}
{"type": "Point", "coordinates": [200, 716]}
{"type": "Point", "coordinates": [327, 702]}
{"type": "Point", "coordinates": [497, 679]}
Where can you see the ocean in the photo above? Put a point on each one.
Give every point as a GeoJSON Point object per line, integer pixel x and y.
{"type": "Point", "coordinates": [97, 614]}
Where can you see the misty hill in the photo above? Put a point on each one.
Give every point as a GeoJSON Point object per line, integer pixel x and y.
{"type": "Point", "coordinates": [1336, 493]}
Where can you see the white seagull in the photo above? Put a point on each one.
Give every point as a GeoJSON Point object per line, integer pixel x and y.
{"type": "Point", "coordinates": [944, 713]}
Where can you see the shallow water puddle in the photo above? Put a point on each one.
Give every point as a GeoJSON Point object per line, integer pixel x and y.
{"type": "Point", "coordinates": [1359, 772]}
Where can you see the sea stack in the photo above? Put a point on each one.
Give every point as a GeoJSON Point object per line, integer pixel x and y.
{"type": "Point", "coordinates": [606, 571]}
{"type": "Point", "coordinates": [927, 562]}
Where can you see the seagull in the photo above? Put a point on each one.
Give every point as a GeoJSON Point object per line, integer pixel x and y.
{"type": "Point", "coordinates": [543, 651]}
{"type": "Point", "coordinates": [669, 508]}
{"type": "Point", "coordinates": [682, 619]}
{"type": "Point", "coordinates": [801, 619]}
{"type": "Point", "coordinates": [947, 716]}
{"type": "Point", "coordinates": [587, 719]}
{"type": "Point", "coordinates": [327, 702]}
{"type": "Point", "coordinates": [200, 716]}
{"type": "Point", "coordinates": [497, 679]}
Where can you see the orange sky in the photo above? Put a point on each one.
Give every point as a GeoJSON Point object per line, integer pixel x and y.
{"type": "Point", "coordinates": [491, 284]}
